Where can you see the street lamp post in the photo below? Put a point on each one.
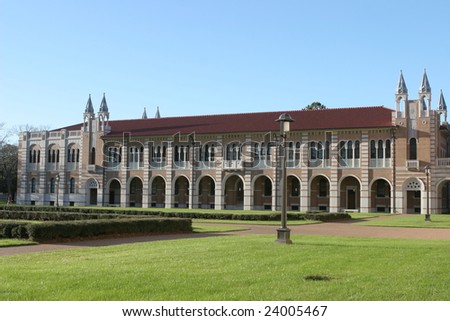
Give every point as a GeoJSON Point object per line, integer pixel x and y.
{"type": "Point", "coordinates": [57, 190]}
{"type": "Point", "coordinates": [283, 233]}
{"type": "Point", "coordinates": [427, 173]}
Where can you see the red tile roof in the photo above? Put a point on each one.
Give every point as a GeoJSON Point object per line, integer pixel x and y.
{"type": "Point", "coordinates": [329, 119]}
{"type": "Point", "coordinates": [336, 118]}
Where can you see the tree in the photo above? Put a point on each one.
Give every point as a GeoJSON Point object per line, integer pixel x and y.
{"type": "Point", "coordinates": [315, 106]}
{"type": "Point", "coordinates": [8, 169]}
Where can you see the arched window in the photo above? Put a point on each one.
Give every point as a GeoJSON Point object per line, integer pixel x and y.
{"type": "Point", "coordinates": [323, 187]}
{"type": "Point", "coordinates": [343, 149]}
{"type": "Point", "coordinates": [380, 149]}
{"type": "Point", "coordinates": [72, 185]}
{"type": "Point", "coordinates": [52, 185]}
{"type": "Point", "coordinates": [92, 156]}
{"type": "Point", "coordinates": [297, 151]}
{"type": "Point", "coordinates": [33, 185]}
{"type": "Point", "coordinates": [295, 189]}
{"type": "Point", "coordinates": [387, 149]}
{"type": "Point", "coordinates": [412, 149]}
{"type": "Point", "coordinates": [373, 149]}
{"type": "Point", "coordinates": [357, 149]}
{"type": "Point", "coordinates": [327, 150]}
{"type": "Point", "coordinates": [319, 150]}
{"type": "Point", "coordinates": [177, 154]}
{"type": "Point", "coordinates": [267, 187]}
{"type": "Point", "coordinates": [349, 149]}
{"type": "Point", "coordinates": [313, 150]}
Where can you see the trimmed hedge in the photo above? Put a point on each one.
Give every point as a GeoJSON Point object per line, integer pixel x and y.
{"type": "Point", "coordinates": [79, 213]}
{"type": "Point", "coordinates": [56, 216]}
{"type": "Point", "coordinates": [14, 230]}
{"type": "Point", "coordinates": [324, 217]}
{"type": "Point", "coordinates": [52, 231]}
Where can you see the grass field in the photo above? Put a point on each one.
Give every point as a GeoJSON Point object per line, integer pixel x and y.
{"type": "Point", "coordinates": [437, 221]}
{"type": "Point", "coordinates": [235, 268]}
{"type": "Point", "coordinates": [14, 242]}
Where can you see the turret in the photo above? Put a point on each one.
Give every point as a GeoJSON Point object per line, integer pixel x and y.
{"type": "Point", "coordinates": [442, 107]}
{"type": "Point", "coordinates": [88, 115]}
{"type": "Point", "coordinates": [103, 114]}
{"type": "Point", "coordinates": [425, 93]}
{"type": "Point", "coordinates": [401, 94]}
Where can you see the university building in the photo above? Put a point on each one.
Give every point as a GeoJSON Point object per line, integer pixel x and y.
{"type": "Point", "coordinates": [368, 159]}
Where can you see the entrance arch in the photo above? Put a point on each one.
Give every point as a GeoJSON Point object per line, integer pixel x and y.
{"type": "Point", "coordinates": [92, 191]}
{"type": "Point", "coordinates": [181, 192]}
{"type": "Point", "coordinates": [320, 193]}
{"type": "Point", "coordinates": [206, 192]}
{"type": "Point", "coordinates": [158, 188]}
{"type": "Point", "coordinates": [413, 188]}
{"type": "Point", "coordinates": [350, 192]}
{"type": "Point", "coordinates": [234, 193]}
{"type": "Point", "coordinates": [135, 192]}
{"type": "Point", "coordinates": [262, 193]}
{"type": "Point", "coordinates": [293, 193]}
{"type": "Point", "coordinates": [443, 197]}
{"type": "Point", "coordinates": [114, 188]}
{"type": "Point", "coordinates": [380, 196]}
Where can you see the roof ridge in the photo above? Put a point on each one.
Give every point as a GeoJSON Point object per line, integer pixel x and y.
{"type": "Point", "coordinates": [258, 113]}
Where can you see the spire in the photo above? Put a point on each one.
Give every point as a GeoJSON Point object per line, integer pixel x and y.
{"type": "Point", "coordinates": [89, 108]}
{"type": "Point", "coordinates": [425, 86]}
{"type": "Point", "coordinates": [401, 87]}
{"type": "Point", "coordinates": [103, 105]}
{"type": "Point", "coordinates": [157, 115]}
{"type": "Point", "coordinates": [144, 114]}
{"type": "Point", "coordinates": [442, 105]}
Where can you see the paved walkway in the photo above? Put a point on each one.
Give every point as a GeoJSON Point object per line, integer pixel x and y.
{"type": "Point", "coordinates": [341, 228]}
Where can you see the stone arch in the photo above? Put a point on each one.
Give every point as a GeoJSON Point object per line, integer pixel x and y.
{"type": "Point", "coordinates": [380, 189]}
{"type": "Point", "coordinates": [92, 186]}
{"type": "Point", "coordinates": [262, 191]}
{"type": "Point", "coordinates": [293, 188]}
{"type": "Point", "coordinates": [412, 189]}
{"type": "Point", "coordinates": [114, 190]}
{"type": "Point", "coordinates": [206, 187]}
{"type": "Point", "coordinates": [180, 191]}
{"type": "Point", "coordinates": [134, 191]}
{"type": "Point", "coordinates": [157, 191]}
{"type": "Point", "coordinates": [233, 187]}
{"type": "Point", "coordinates": [319, 192]}
{"type": "Point", "coordinates": [350, 192]}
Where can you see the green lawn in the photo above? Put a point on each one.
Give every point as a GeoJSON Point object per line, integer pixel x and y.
{"type": "Point", "coordinates": [14, 242]}
{"type": "Point", "coordinates": [235, 268]}
{"type": "Point", "coordinates": [437, 221]}
{"type": "Point", "coordinates": [247, 222]}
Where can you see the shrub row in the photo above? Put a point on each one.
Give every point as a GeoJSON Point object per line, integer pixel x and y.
{"type": "Point", "coordinates": [70, 209]}
{"type": "Point", "coordinates": [54, 216]}
{"type": "Point", "coordinates": [259, 217]}
{"type": "Point", "coordinates": [44, 213]}
{"type": "Point", "coordinates": [13, 230]}
{"type": "Point", "coordinates": [51, 231]}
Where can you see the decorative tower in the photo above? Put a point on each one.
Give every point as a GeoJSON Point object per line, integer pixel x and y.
{"type": "Point", "coordinates": [88, 115]}
{"type": "Point", "coordinates": [442, 107]}
{"type": "Point", "coordinates": [103, 115]}
{"type": "Point", "coordinates": [425, 93]}
{"type": "Point", "coordinates": [157, 115]}
{"type": "Point", "coordinates": [144, 114]}
{"type": "Point", "coordinates": [401, 95]}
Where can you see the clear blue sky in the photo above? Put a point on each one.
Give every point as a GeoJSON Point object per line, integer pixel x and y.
{"type": "Point", "coordinates": [208, 57]}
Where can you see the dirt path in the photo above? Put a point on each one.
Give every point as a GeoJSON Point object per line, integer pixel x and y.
{"type": "Point", "coordinates": [343, 228]}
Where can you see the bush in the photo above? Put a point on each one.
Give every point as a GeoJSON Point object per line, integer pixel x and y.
{"type": "Point", "coordinates": [93, 228]}
{"type": "Point", "coordinates": [13, 230]}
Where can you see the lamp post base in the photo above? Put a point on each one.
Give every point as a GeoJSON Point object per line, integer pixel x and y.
{"type": "Point", "coordinates": [427, 218]}
{"type": "Point", "coordinates": [284, 236]}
